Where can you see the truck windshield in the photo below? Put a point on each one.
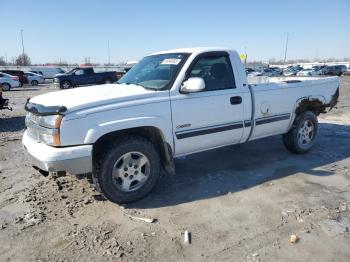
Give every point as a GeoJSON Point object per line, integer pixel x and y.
{"type": "Point", "coordinates": [156, 71]}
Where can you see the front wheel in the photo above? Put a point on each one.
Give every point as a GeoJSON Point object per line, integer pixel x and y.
{"type": "Point", "coordinates": [128, 170]}
{"type": "Point", "coordinates": [301, 137]}
{"type": "Point", "coordinates": [6, 87]}
{"type": "Point", "coordinates": [34, 83]}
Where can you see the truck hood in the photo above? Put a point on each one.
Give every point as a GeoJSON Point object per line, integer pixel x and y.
{"type": "Point", "coordinates": [85, 97]}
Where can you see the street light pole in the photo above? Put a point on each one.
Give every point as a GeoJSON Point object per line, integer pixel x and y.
{"type": "Point", "coordinates": [22, 42]}
{"type": "Point", "coordinates": [109, 55]}
{"type": "Point", "coordinates": [285, 51]}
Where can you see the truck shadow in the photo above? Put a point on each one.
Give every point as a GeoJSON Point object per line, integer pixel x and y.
{"type": "Point", "coordinates": [235, 168]}
{"type": "Point", "coordinates": [12, 124]}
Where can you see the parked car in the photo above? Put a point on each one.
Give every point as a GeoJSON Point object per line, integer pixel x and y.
{"type": "Point", "coordinates": [37, 72]}
{"type": "Point", "coordinates": [318, 67]}
{"type": "Point", "coordinates": [343, 68]}
{"type": "Point", "coordinates": [252, 72]}
{"type": "Point", "coordinates": [332, 70]}
{"type": "Point", "coordinates": [249, 70]}
{"type": "Point", "coordinates": [34, 79]}
{"type": "Point", "coordinates": [48, 72]}
{"type": "Point", "coordinates": [4, 103]}
{"type": "Point", "coordinates": [347, 73]}
{"type": "Point", "coordinates": [84, 76]}
{"type": "Point", "coordinates": [278, 70]}
{"type": "Point", "coordinates": [270, 72]}
{"type": "Point", "coordinates": [170, 104]}
{"type": "Point", "coordinates": [9, 81]}
{"type": "Point", "coordinates": [21, 77]}
{"type": "Point", "coordinates": [308, 72]}
{"type": "Point", "coordinates": [290, 72]}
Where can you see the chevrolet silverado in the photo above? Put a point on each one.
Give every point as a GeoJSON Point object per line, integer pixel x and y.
{"type": "Point", "coordinates": [170, 104]}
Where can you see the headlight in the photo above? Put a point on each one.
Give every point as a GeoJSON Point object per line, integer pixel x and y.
{"type": "Point", "coordinates": [45, 129]}
{"type": "Point", "coordinates": [53, 121]}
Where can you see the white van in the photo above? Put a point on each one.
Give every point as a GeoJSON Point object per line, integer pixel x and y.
{"type": "Point", "coordinates": [48, 72]}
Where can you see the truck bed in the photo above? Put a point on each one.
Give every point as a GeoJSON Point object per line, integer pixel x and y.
{"type": "Point", "coordinates": [254, 80]}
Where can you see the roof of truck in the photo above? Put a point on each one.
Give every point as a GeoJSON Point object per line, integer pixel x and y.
{"type": "Point", "coordinates": [194, 50]}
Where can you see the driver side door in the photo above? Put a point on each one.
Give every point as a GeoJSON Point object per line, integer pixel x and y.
{"type": "Point", "coordinates": [213, 117]}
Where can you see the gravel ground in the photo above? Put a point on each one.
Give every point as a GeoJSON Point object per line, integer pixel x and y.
{"type": "Point", "coordinates": [239, 203]}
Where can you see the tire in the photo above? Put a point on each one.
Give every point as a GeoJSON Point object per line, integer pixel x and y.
{"type": "Point", "coordinates": [301, 137]}
{"type": "Point", "coordinates": [65, 85]}
{"type": "Point", "coordinates": [6, 86]}
{"type": "Point", "coordinates": [34, 83]}
{"type": "Point", "coordinates": [127, 170]}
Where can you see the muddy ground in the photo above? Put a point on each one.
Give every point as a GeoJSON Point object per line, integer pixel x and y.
{"type": "Point", "coordinates": [240, 203]}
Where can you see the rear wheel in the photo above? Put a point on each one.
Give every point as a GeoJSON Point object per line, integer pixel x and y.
{"type": "Point", "coordinates": [6, 87]}
{"type": "Point", "coordinates": [128, 170]}
{"type": "Point", "coordinates": [34, 83]}
{"type": "Point", "coordinates": [302, 135]}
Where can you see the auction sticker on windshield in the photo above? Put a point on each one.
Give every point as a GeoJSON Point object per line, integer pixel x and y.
{"type": "Point", "coordinates": [171, 61]}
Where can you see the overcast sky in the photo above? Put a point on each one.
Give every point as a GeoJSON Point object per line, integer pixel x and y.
{"type": "Point", "coordinates": [72, 30]}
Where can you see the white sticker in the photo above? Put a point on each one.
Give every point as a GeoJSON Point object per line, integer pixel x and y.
{"type": "Point", "coordinates": [171, 61]}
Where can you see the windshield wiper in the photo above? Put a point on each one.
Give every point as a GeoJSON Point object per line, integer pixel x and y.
{"type": "Point", "coordinates": [145, 87]}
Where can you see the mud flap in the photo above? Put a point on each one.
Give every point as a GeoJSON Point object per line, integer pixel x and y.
{"type": "Point", "coordinates": [169, 163]}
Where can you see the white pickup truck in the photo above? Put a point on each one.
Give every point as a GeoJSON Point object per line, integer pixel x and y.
{"type": "Point", "coordinates": [170, 104]}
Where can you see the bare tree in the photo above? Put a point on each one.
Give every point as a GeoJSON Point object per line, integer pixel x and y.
{"type": "Point", "coordinates": [2, 61]}
{"type": "Point", "coordinates": [23, 60]}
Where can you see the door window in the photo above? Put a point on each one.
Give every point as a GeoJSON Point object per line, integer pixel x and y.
{"type": "Point", "coordinates": [215, 70]}
{"type": "Point", "coordinates": [79, 72]}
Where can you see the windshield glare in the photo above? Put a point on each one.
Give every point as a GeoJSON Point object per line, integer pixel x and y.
{"type": "Point", "coordinates": [156, 71]}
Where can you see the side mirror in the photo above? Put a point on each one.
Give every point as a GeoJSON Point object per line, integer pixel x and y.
{"type": "Point", "coordinates": [193, 85]}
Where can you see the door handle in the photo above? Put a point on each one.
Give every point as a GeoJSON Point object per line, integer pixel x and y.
{"type": "Point", "coordinates": [236, 100]}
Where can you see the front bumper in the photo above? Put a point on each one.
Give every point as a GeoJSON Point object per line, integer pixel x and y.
{"type": "Point", "coordinates": [73, 159]}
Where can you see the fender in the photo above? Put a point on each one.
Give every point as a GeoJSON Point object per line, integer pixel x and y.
{"type": "Point", "coordinates": [101, 129]}
{"type": "Point", "coordinates": [318, 98]}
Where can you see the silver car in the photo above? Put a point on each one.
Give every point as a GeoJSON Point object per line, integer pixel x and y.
{"type": "Point", "coordinates": [8, 81]}
{"type": "Point", "coordinates": [34, 79]}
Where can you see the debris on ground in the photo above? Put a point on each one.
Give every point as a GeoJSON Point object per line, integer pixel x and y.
{"type": "Point", "coordinates": [187, 238]}
{"type": "Point", "coordinates": [144, 219]}
{"type": "Point", "coordinates": [293, 239]}
{"type": "Point", "coordinates": [253, 257]}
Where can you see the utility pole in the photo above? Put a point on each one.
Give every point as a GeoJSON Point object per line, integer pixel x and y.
{"type": "Point", "coordinates": [109, 54]}
{"type": "Point", "coordinates": [22, 42]}
{"type": "Point", "coordinates": [285, 51]}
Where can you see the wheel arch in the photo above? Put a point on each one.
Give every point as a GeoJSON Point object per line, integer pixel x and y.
{"type": "Point", "coordinates": [6, 83]}
{"type": "Point", "coordinates": [315, 104]}
{"type": "Point", "coordinates": [152, 133]}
